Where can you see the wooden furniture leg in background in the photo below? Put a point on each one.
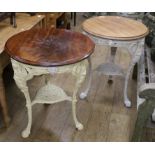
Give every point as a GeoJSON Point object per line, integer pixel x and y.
{"type": "Point", "coordinates": [73, 15]}
{"type": "Point", "coordinates": [3, 103]}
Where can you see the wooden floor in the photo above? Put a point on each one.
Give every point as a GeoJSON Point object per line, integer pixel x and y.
{"type": "Point", "coordinates": [103, 114]}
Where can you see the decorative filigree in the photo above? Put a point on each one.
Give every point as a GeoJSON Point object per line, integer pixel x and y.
{"type": "Point", "coordinates": [134, 47]}
{"type": "Point", "coordinates": [24, 72]}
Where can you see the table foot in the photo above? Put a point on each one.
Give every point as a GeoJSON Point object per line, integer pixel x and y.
{"type": "Point", "coordinates": [83, 95]}
{"type": "Point", "coordinates": [127, 103]}
{"type": "Point", "coordinates": [79, 126]}
{"type": "Point", "coordinates": [26, 133]}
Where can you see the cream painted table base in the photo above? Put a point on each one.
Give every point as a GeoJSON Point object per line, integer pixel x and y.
{"type": "Point", "coordinates": [50, 93]}
{"type": "Point", "coordinates": [134, 47]}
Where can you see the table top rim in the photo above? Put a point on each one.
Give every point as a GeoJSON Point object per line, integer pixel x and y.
{"type": "Point", "coordinates": [40, 64]}
{"type": "Point", "coordinates": [111, 37]}
{"type": "Point", "coordinates": [116, 38]}
{"type": "Point", "coordinates": [53, 65]}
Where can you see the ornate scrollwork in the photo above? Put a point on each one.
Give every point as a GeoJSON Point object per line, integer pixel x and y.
{"type": "Point", "coordinates": [134, 48]}
{"type": "Point", "coordinates": [24, 72]}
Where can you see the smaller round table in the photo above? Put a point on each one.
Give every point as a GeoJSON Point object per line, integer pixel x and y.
{"type": "Point", "coordinates": [43, 51]}
{"type": "Point", "coordinates": [116, 31]}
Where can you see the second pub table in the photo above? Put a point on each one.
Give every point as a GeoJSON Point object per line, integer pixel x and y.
{"type": "Point", "coordinates": [115, 31]}
{"type": "Point", "coordinates": [48, 51]}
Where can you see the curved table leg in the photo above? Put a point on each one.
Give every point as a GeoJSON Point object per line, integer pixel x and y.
{"type": "Point", "coordinates": [20, 76]}
{"type": "Point", "coordinates": [27, 130]}
{"type": "Point", "coordinates": [135, 58]}
{"type": "Point", "coordinates": [84, 94]}
{"type": "Point", "coordinates": [79, 79]}
{"type": "Point", "coordinates": [23, 74]}
{"type": "Point", "coordinates": [127, 102]}
{"type": "Point", "coordinates": [24, 88]}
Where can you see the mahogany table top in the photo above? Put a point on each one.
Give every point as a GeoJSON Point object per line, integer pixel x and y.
{"type": "Point", "coordinates": [115, 27]}
{"type": "Point", "coordinates": [49, 47]}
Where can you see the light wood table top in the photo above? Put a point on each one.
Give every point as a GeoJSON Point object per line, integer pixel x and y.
{"type": "Point", "coordinates": [49, 47]}
{"type": "Point", "coordinates": [115, 27]}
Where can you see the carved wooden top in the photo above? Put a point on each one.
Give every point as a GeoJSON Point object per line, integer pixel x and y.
{"type": "Point", "coordinates": [49, 47]}
{"type": "Point", "coordinates": [115, 27]}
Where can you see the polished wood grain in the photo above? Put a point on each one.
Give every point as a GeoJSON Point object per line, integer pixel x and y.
{"type": "Point", "coordinates": [49, 47]}
{"type": "Point", "coordinates": [115, 27]}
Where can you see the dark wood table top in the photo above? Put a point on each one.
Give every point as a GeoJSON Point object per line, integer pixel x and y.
{"type": "Point", "coordinates": [49, 47]}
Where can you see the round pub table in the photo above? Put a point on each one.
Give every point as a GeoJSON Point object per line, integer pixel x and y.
{"type": "Point", "coordinates": [48, 51]}
{"type": "Point", "coordinates": [116, 31]}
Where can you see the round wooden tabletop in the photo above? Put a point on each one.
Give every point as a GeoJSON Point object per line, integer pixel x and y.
{"type": "Point", "coordinates": [115, 27]}
{"type": "Point", "coordinates": [49, 47]}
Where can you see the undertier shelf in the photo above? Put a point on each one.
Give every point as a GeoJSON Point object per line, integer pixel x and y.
{"type": "Point", "coordinates": [50, 94]}
{"type": "Point", "coordinates": [110, 69]}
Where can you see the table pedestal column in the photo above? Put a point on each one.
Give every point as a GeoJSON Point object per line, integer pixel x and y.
{"type": "Point", "coordinates": [112, 61]}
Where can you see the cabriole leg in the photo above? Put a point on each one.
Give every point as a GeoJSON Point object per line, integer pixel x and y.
{"type": "Point", "coordinates": [135, 58]}
{"type": "Point", "coordinates": [79, 79]}
{"type": "Point", "coordinates": [24, 88]}
{"type": "Point", "coordinates": [21, 76]}
{"type": "Point", "coordinates": [27, 130]}
{"type": "Point", "coordinates": [84, 94]}
{"type": "Point", "coordinates": [127, 102]}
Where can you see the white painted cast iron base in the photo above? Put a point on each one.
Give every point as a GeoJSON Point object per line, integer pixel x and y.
{"type": "Point", "coordinates": [134, 48]}
{"type": "Point", "coordinates": [23, 73]}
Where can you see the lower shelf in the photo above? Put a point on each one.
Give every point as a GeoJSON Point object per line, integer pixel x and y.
{"type": "Point", "coordinates": [50, 94]}
{"type": "Point", "coordinates": [110, 69]}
